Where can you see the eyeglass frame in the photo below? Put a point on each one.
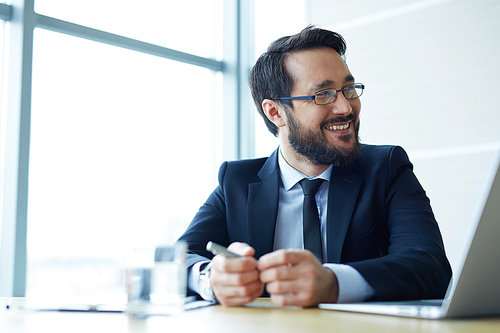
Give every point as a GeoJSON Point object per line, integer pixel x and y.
{"type": "Point", "coordinates": [313, 97]}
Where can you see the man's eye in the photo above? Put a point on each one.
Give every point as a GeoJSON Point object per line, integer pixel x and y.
{"type": "Point", "coordinates": [325, 94]}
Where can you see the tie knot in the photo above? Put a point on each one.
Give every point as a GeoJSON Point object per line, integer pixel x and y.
{"type": "Point", "coordinates": [310, 187]}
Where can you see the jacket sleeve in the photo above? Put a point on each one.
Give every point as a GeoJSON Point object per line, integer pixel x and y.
{"type": "Point", "coordinates": [209, 224]}
{"type": "Point", "coordinates": [415, 266]}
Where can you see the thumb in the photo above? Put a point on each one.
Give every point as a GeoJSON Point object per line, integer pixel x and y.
{"type": "Point", "coordinates": [242, 249]}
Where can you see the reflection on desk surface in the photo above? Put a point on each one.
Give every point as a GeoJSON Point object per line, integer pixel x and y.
{"type": "Point", "coordinates": [261, 316]}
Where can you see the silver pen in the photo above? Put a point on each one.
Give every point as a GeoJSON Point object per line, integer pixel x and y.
{"type": "Point", "coordinates": [219, 249]}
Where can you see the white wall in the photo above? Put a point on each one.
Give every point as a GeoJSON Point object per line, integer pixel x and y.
{"type": "Point", "coordinates": [431, 72]}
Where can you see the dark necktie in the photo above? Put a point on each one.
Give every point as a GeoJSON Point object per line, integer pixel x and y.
{"type": "Point", "coordinates": [311, 223]}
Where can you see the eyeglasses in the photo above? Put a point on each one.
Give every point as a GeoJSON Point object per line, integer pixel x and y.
{"type": "Point", "coordinates": [328, 96]}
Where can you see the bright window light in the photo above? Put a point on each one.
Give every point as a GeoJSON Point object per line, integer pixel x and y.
{"type": "Point", "coordinates": [117, 140]}
{"type": "Point", "coordinates": [189, 25]}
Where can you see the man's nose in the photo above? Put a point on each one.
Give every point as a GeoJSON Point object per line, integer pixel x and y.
{"type": "Point", "coordinates": [341, 106]}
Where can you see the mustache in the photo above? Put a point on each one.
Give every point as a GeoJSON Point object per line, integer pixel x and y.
{"type": "Point", "coordinates": [349, 117]}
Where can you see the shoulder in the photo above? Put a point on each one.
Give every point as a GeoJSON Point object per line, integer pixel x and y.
{"type": "Point", "coordinates": [382, 158]}
{"type": "Point", "coordinates": [373, 153]}
{"type": "Point", "coordinates": [250, 170]}
{"type": "Point", "coordinates": [380, 151]}
{"type": "Point", "coordinates": [248, 165]}
{"type": "Point", "coordinates": [242, 170]}
{"type": "Point", "coordinates": [244, 166]}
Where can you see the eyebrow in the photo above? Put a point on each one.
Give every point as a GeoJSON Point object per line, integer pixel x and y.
{"type": "Point", "coordinates": [326, 83]}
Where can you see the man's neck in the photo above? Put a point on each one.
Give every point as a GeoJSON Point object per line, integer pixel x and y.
{"type": "Point", "coordinates": [301, 163]}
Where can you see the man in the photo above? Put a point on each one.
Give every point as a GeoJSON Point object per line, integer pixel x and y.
{"type": "Point", "coordinates": [377, 238]}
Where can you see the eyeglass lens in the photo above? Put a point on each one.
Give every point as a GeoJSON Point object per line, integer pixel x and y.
{"type": "Point", "coordinates": [328, 96]}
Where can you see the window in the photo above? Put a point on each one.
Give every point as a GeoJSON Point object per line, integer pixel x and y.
{"type": "Point", "coordinates": [189, 25]}
{"type": "Point", "coordinates": [116, 141]}
{"type": "Point", "coordinates": [117, 136]}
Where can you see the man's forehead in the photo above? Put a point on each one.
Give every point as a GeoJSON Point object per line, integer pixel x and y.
{"type": "Point", "coordinates": [318, 68]}
{"type": "Point", "coordinates": [329, 83]}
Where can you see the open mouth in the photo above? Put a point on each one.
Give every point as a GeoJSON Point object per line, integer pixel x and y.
{"type": "Point", "coordinates": [338, 127]}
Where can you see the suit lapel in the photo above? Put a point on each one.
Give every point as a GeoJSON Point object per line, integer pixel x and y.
{"type": "Point", "coordinates": [263, 207]}
{"type": "Point", "coordinates": [342, 195]}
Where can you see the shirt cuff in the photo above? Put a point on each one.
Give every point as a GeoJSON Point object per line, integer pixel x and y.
{"type": "Point", "coordinates": [352, 285]}
{"type": "Point", "coordinates": [194, 275]}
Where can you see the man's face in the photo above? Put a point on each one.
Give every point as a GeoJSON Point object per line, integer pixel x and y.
{"type": "Point", "coordinates": [324, 134]}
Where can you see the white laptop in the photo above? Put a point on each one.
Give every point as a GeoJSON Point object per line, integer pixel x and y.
{"type": "Point", "coordinates": [475, 288]}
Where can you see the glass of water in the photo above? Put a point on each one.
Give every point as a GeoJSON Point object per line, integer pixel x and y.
{"type": "Point", "coordinates": [156, 280]}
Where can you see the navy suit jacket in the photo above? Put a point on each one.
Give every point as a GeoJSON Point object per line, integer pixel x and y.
{"type": "Point", "coordinates": [379, 221]}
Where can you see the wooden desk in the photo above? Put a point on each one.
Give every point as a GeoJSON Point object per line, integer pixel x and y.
{"type": "Point", "coordinates": [219, 319]}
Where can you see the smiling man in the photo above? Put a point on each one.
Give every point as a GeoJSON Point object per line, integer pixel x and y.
{"type": "Point", "coordinates": [324, 218]}
{"type": "Point", "coordinates": [321, 130]}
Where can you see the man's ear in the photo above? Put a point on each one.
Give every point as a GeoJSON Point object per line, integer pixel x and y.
{"type": "Point", "coordinates": [274, 112]}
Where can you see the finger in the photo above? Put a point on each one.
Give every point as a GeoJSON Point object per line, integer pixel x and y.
{"type": "Point", "coordinates": [306, 270]}
{"type": "Point", "coordinates": [233, 265]}
{"type": "Point", "coordinates": [235, 296]}
{"type": "Point", "coordinates": [287, 272]}
{"type": "Point", "coordinates": [236, 301]}
{"type": "Point", "coordinates": [291, 299]}
{"type": "Point", "coordinates": [238, 291]}
{"type": "Point", "coordinates": [284, 258]}
{"type": "Point", "coordinates": [283, 287]}
{"type": "Point", "coordinates": [310, 288]}
{"type": "Point", "coordinates": [242, 249]}
{"type": "Point", "coordinates": [235, 279]}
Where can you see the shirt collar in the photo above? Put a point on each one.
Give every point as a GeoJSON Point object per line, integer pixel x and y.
{"type": "Point", "coordinates": [290, 176]}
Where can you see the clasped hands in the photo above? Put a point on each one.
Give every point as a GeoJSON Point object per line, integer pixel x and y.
{"type": "Point", "coordinates": [291, 277]}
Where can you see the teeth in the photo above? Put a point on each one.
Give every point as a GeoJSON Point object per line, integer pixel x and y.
{"type": "Point", "coordinates": [338, 128]}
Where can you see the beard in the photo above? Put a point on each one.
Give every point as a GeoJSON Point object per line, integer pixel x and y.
{"type": "Point", "coordinates": [315, 146]}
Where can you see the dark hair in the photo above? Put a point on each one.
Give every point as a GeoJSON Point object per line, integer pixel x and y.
{"type": "Point", "coordinates": [270, 79]}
